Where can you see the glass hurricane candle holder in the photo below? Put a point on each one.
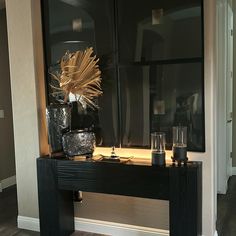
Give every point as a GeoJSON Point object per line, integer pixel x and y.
{"type": "Point", "coordinates": [158, 148]}
{"type": "Point", "coordinates": [179, 144]}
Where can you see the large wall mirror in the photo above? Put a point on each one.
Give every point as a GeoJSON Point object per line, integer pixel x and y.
{"type": "Point", "coordinates": [152, 63]}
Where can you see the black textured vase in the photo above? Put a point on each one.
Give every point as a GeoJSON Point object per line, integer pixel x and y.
{"type": "Point", "coordinates": [58, 121]}
{"type": "Point", "coordinates": [78, 142]}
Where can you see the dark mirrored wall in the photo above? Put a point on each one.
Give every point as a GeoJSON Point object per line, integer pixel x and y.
{"type": "Point", "coordinates": [148, 98]}
{"type": "Point", "coordinates": [75, 25]}
{"type": "Point", "coordinates": [155, 30]}
{"type": "Point", "coordinates": [151, 58]}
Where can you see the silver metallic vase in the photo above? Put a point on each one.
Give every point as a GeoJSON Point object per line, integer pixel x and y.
{"type": "Point", "coordinates": [78, 142]}
{"type": "Point", "coordinates": [58, 122]}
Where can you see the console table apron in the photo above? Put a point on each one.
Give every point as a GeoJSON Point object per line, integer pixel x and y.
{"type": "Point", "coordinates": [57, 179]}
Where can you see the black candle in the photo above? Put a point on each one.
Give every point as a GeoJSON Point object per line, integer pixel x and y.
{"type": "Point", "coordinates": [179, 153]}
{"type": "Point", "coordinates": [158, 148]}
{"type": "Point", "coordinates": [158, 158]}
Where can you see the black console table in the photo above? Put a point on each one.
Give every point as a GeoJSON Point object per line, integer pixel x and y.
{"type": "Point", "coordinates": [57, 178]}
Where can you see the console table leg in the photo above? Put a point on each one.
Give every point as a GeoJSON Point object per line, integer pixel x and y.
{"type": "Point", "coordinates": [185, 202]}
{"type": "Point", "coordinates": [56, 209]}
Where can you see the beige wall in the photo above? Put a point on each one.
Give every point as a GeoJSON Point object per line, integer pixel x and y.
{"type": "Point", "coordinates": [234, 88]}
{"type": "Point", "coordinates": [125, 210]}
{"type": "Point", "coordinates": [7, 157]}
{"type": "Point", "coordinates": [24, 103]}
{"type": "Point", "coordinates": [25, 61]}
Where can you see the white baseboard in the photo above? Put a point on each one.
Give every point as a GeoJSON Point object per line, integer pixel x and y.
{"type": "Point", "coordinates": [97, 226]}
{"type": "Point", "coordinates": [116, 229]}
{"type": "Point", "coordinates": [28, 223]}
{"type": "Point", "coordinates": [216, 234]}
{"type": "Point", "coordinates": [233, 170]}
{"type": "Point", "coordinates": [5, 183]}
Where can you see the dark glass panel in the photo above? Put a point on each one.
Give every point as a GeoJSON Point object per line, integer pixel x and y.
{"type": "Point", "coordinates": [135, 110]}
{"type": "Point", "coordinates": [104, 120]}
{"type": "Point", "coordinates": [153, 97]}
{"type": "Point", "coordinates": [159, 30]}
{"type": "Point", "coordinates": [108, 117]}
{"type": "Point", "coordinates": [71, 25]}
{"type": "Point", "coordinates": [77, 24]}
{"type": "Point", "coordinates": [158, 97]}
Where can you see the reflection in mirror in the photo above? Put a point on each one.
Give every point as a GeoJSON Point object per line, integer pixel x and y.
{"type": "Point", "coordinates": [151, 58]}
{"type": "Point", "coordinates": [161, 70]}
{"type": "Point", "coordinates": [159, 30]}
{"type": "Point", "coordinates": [158, 97]}
{"type": "Point", "coordinates": [76, 25]}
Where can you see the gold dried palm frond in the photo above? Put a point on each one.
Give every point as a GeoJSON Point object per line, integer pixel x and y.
{"type": "Point", "coordinates": [79, 75]}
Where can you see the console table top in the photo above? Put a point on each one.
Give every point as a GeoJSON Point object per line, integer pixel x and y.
{"type": "Point", "coordinates": [136, 161]}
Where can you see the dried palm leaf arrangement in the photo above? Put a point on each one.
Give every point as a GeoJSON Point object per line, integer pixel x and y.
{"type": "Point", "coordinates": [79, 75]}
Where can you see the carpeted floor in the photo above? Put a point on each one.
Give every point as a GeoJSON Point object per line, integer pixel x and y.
{"type": "Point", "coordinates": [8, 217]}
{"type": "Point", "coordinates": [226, 210]}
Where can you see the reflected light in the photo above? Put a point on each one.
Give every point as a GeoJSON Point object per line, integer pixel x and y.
{"type": "Point", "coordinates": [76, 3]}
{"type": "Point", "coordinates": [129, 152]}
{"type": "Point", "coordinates": [157, 14]}
{"type": "Point", "coordinates": [185, 13]}
{"type": "Point", "coordinates": [70, 41]}
{"type": "Point", "coordinates": [71, 2]}
{"type": "Point", "coordinates": [77, 25]}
